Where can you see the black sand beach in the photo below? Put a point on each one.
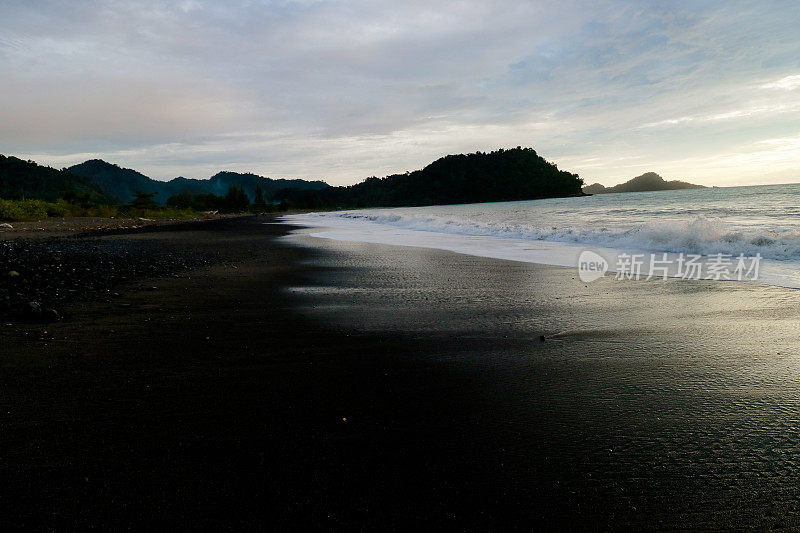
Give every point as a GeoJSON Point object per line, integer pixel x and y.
{"type": "Point", "coordinates": [290, 382]}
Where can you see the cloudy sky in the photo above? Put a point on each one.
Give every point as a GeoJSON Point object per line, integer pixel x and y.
{"type": "Point", "coordinates": [340, 90]}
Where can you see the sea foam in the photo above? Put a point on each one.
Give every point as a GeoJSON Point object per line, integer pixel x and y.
{"type": "Point", "coordinates": [695, 235]}
{"type": "Point", "coordinates": [747, 221]}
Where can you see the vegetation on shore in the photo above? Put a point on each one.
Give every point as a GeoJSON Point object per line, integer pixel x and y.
{"type": "Point", "coordinates": [29, 191]}
{"type": "Point", "coordinates": [502, 175]}
{"type": "Point", "coordinates": [21, 179]}
{"type": "Point", "coordinates": [143, 206]}
{"type": "Point", "coordinates": [25, 210]}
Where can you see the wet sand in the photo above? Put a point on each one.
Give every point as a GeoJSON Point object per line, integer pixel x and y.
{"type": "Point", "coordinates": [301, 382]}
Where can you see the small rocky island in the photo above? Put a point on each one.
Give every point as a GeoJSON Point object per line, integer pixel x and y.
{"type": "Point", "coordinates": [649, 181]}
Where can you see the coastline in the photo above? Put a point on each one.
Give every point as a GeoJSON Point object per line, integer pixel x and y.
{"type": "Point", "coordinates": [344, 385]}
{"type": "Point", "coordinates": [659, 404]}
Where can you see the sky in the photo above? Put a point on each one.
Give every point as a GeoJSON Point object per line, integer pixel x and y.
{"type": "Point", "coordinates": [703, 91]}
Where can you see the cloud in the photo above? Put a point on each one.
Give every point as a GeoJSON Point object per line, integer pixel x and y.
{"type": "Point", "coordinates": [346, 89]}
{"type": "Point", "coordinates": [788, 83]}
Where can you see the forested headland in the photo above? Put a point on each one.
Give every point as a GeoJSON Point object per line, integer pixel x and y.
{"type": "Point", "coordinates": [98, 188]}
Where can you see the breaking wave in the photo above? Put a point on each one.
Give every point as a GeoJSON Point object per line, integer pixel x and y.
{"type": "Point", "coordinates": [696, 234]}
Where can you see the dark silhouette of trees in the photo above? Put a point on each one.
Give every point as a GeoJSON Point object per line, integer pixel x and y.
{"type": "Point", "coordinates": [503, 175]}
{"type": "Point", "coordinates": [25, 179]}
{"type": "Point", "coordinates": [80, 199]}
{"type": "Point", "coordinates": [516, 174]}
{"type": "Point", "coordinates": [198, 202]}
{"type": "Point", "coordinates": [182, 200]}
{"type": "Point", "coordinates": [236, 200]}
{"type": "Point", "coordinates": [121, 183]}
{"type": "Point", "coordinates": [142, 200]}
{"type": "Point", "coordinates": [258, 200]}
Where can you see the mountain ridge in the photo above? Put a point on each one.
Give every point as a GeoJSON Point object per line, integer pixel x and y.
{"type": "Point", "coordinates": [501, 175]}
{"type": "Point", "coordinates": [122, 183]}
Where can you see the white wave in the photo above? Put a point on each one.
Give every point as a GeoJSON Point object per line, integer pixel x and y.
{"type": "Point", "coordinates": [695, 235]}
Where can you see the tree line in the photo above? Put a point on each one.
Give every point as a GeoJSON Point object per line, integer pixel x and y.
{"type": "Point", "coordinates": [235, 201]}
{"type": "Point", "coordinates": [502, 175]}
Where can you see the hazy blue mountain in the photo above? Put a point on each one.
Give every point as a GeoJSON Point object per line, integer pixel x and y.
{"type": "Point", "coordinates": [121, 183]}
{"type": "Point", "coordinates": [220, 182]}
{"type": "Point", "coordinates": [649, 181]}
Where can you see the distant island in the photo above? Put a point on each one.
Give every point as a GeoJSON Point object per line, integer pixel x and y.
{"type": "Point", "coordinates": [649, 181]}
{"type": "Point", "coordinates": [501, 175]}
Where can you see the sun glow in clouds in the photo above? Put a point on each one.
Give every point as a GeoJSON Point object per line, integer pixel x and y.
{"type": "Point", "coordinates": [788, 83]}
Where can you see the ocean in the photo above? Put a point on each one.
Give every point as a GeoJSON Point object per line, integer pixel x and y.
{"type": "Point", "coordinates": [730, 234]}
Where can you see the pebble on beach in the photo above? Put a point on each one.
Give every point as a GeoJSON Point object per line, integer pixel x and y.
{"type": "Point", "coordinates": [42, 275]}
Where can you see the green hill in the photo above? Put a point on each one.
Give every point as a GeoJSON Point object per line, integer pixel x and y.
{"type": "Point", "coordinates": [502, 175]}
{"type": "Point", "coordinates": [26, 179]}
{"type": "Point", "coordinates": [219, 183]}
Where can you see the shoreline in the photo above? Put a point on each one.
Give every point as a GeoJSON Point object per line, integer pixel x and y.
{"type": "Point", "coordinates": [656, 404]}
{"type": "Point", "coordinates": [340, 385]}
{"type": "Point", "coordinates": [627, 263]}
